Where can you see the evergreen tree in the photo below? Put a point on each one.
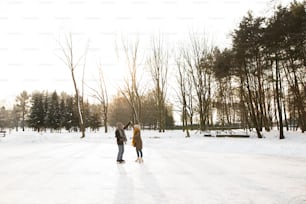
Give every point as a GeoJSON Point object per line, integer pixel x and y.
{"type": "Point", "coordinates": [247, 46]}
{"type": "Point", "coordinates": [149, 113]}
{"type": "Point", "coordinates": [46, 102]}
{"type": "Point", "coordinates": [3, 116]}
{"type": "Point", "coordinates": [62, 112]}
{"type": "Point", "coordinates": [69, 115]}
{"type": "Point", "coordinates": [37, 113]}
{"type": "Point", "coordinates": [54, 117]}
{"type": "Point", "coordinates": [169, 117]}
{"type": "Point", "coordinates": [94, 120]}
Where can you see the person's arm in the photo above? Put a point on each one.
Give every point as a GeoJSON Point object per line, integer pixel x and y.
{"type": "Point", "coordinates": [127, 125]}
{"type": "Point", "coordinates": [117, 134]}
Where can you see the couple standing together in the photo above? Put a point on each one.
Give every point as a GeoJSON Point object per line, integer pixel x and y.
{"type": "Point", "coordinates": [121, 140]}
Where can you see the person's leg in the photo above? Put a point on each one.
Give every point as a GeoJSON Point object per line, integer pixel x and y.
{"type": "Point", "coordinates": [137, 153]}
{"type": "Point", "coordinates": [122, 151]}
{"type": "Point", "coordinates": [137, 160]}
{"type": "Point", "coordinates": [119, 153]}
{"type": "Point", "coordinates": [140, 153]}
{"type": "Point", "coordinates": [140, 158]}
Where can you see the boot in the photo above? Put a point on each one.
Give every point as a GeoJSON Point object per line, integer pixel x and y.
{"type": "Point", "coordinates": [138, 159]}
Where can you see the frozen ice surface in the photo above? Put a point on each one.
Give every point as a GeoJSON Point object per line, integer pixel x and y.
{"type": "Point", "coordinates": [63, 169]}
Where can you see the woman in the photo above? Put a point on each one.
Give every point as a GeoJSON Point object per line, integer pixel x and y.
{"type": "Point", "coordinates": [137, 143]}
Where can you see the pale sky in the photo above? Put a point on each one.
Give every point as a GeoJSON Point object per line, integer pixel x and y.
{"type": "Point", "coordinates": [31, 29]}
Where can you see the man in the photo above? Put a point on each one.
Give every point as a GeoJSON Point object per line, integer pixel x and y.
{"type": "Point", "coordinates": [121, 139]}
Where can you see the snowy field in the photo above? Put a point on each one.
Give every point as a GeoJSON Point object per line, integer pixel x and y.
{"type": "Point", "coordinates": [63, 169]}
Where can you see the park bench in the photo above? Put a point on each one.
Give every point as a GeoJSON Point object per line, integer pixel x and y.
{"type": "Point", "coordinates": [3, 132]}
{"type": "Point", "coordinates": [231, 134]}
{"type": "Point", "coordinates": [207, 134]}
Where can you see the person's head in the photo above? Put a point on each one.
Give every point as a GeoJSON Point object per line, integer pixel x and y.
{"type": "Point", "coordinates": [119, 125]}
{"type": "Point", "coordinates": [136, 129]}
{"type": "Point", "coordinates": [136, 126]}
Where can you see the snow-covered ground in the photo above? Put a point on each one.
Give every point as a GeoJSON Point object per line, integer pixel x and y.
{"type": "Point", "coordinates": [62, 169]}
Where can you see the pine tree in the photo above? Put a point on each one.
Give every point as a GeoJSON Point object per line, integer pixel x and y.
{"type": "Point", "coordinates": [37, 113]}
{"type": "Point", "coordinates": [68, 121]}
{"type": "Point", "coordinates": [54, 112]}
{"type": "Point", "coordinates": [62, 112]}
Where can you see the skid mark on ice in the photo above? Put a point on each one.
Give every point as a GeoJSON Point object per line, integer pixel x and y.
{"type": "Point", "coordinates": [27, 164]}
{"type": "Point", "coordinates": [56, 174]}
{"type": "Point", "coordinates": [242, 178]}
{"type": "Point", "coordinates": [189, 181]}
{"type": "Point", "coordinates": [166, 178]}
{"type": "Point", "coordinates": [124, 187]}
{"type": "Point", "coordinates": [205, 176]}
{"type": "Point", "coordinates": [137, 183]}
{"type": "Point", "coordinates": [152, 186]}
{"type": "Point", "coordinates": [24, 152]}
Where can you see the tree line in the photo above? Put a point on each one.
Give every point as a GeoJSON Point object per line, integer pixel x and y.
{"type": "Point", "coordinates": [43, 111]}
{"type": "Point", "coordinates": [267, 61]}
{"type": "Point", "coordinates": [257, 83]}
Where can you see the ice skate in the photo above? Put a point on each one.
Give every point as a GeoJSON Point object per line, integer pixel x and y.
{"type": "Point", "coordinates": [120, 161]}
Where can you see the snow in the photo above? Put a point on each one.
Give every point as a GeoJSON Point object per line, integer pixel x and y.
{"type": "Point", "coordinates": [61, 168]}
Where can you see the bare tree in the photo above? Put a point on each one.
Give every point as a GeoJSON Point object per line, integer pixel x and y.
{"type": "Point", "coordinates": [295, 79]}
{"type": "Point", "coordinates": [158, 66]}
{"type": "Point", "coordinates": [102, 96]}
{"type": "Point", "coordinates": [182, 95]}
{"type": "Point", "coordinates": [72, 64]}
{"type": "Point", "coordinates": [196, 57]}
{"type": "Point", "coordinates": [131, 89]}
{"type": "Point", "coordinates": [22, 106]}
{"type": "Point", "coordinates": [119, 110]}
{"type": "Point", "coordinates": [185, 93]}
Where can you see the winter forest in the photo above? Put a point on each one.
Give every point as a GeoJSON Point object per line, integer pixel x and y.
{"type": "Point", "coordinates": [259, 83]}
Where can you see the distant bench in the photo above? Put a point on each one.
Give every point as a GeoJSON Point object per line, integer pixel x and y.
{"type": "Point", "coordinates": [225, 134]}
{"type": "Point", "coordinates": [207, 134]}
{"type": "Point", "coordinates": [231, 134]}
{"type": "Point", "coordinates": [3, 132]}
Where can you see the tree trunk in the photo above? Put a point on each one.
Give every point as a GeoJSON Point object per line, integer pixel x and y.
{"type": "Point", "coordinates": [278, 100]}
{"type": "Point", "coordinates": [251, 105]}
{"type": "Point", "coordinates": [300, 105]}
{"type": "Point", "coordinates": [81, 122]}
{"type": "Point", "coordinates": [105, 124]}
{"type": "Point", "coordinates": [23, 119]}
